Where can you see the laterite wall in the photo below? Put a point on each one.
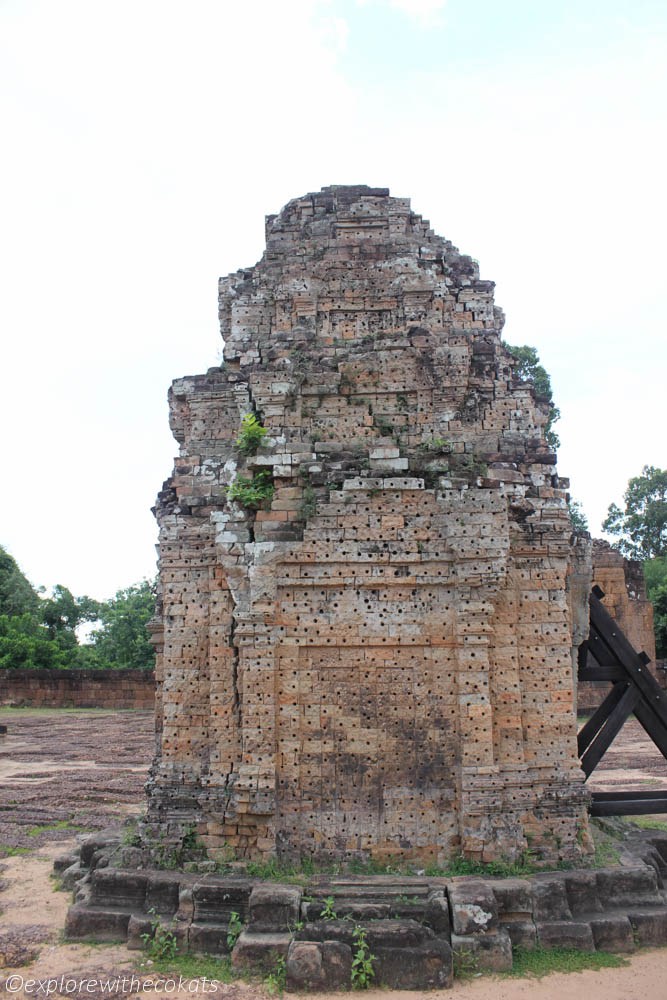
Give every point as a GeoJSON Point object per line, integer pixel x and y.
{"type": "Point", "coordinates": [78, 688]}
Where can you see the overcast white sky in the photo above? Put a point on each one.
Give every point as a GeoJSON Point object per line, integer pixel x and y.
{"type": "Point", "coordinates": [144, 141]}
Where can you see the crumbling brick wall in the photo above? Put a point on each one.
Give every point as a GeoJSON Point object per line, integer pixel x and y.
{"type": "Point", "coordinates": [379, 663]}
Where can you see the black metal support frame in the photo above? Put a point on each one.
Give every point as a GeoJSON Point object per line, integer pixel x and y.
{"type": "Point", "coordinates": [607, 655]}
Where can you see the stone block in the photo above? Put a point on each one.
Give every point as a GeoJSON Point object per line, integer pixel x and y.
{"type": "Point", "coordinates": [112, 887]}
{"type": "Point", "coordinates": [327, 930]}
{"type": "Point", "coordinates": [274, 907]}
{"type": "Point", "coordinates": [612, 932]}
{"type": "Point", "coordinates": [426, 966]}
{"type": "Point", "coordinates": [514, 896]}
{"type": "Point", "coordinates": [139, 924]}
{"type": "Point", "coordinates": [565, 934]}
{"type": "Point", "coordinates": [96, 923]}
{"type": "Point", "coordinates": [319, 966]}
{"type": "Point", "coordinates": [353, 909]}
{"type": "Point", "coordinates": [104, 840]}
{"type": "Point", "coordinates": [72, 875]}
{"type": "Point", "coordinates": [213, 900]}
{"type": "Point", "coordinates": [436, 913]}
{"type": "Point", "coordinates": [397, 934]}
{"type": "Point", "coordinates": [581, 892]}
{"type": "Point", "coordinates": [473, 907]}
{"type": "Point", "coordinates": [162, 891]}
{"type": "Point", "coordinates": [208, 939]}
{"type": "Point", "coordinates": [649, 925]}
{"type": "Point", "coordinates": [620, 887]}
{"type": "Point", "coordinates": [550, 900]}
{"type": "Point", "coordinates": [65, 861]}
{"type": "Point", "coordinates": [259, 951]}
{"type": "Point", "coordinates": [522, 933]}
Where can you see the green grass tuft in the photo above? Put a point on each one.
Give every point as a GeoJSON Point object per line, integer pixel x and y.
{"type": "Point", "coordinates": [540, 962]}
{"type": "Point", "coordinates": [63, 824]}
{"type": "Point", "coordinates": [647, 823]}
{"type": "Point", "coordinates": [197, 966]}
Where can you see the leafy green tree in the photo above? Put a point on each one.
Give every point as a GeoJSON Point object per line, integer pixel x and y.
{"type": "Point", "coordinates": [655, 574]}
{"type": "Point", "coordinates": [659, 599]}
{"type": "Point", "coordinates": [41, 632]}
{"type": "Point", "coordinates": [530, 369]}
{"type": "Point", "coordinates": [641, 528]}
{"type": "Point", "coordinates": [578, 519]}
{"type": "Point", "coordinates": [123, 640]}
{"type": "Point", "coordinates": [25, 645]}
{"type": "Point", "coordinates": [63, 612]}
{"type": "Point", "coordinates": [17, 594]}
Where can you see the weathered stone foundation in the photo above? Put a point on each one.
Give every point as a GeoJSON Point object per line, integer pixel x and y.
{"type": "Point", "coordinates": [377, 660]}
{"type": "Point", "coordinates": [414, 926]}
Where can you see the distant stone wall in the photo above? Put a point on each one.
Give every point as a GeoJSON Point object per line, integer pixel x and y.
{"type": "Point", "coordinates": [78, 688]}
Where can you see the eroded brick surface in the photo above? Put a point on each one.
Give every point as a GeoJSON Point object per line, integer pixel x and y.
{"type": "Point", "coordinates": [378, 663]}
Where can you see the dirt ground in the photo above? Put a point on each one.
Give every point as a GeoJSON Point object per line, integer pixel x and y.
{"type": "Point", "coordinates": [68, 771]}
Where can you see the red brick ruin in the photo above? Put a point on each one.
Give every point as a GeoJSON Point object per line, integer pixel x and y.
{"type": "Point", "coordinates": [367, 624]}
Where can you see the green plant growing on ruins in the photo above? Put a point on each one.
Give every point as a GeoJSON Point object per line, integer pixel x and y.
{"type": "Point", "coordinates": [465, 963]}
{"type": "Point", "coordinates": [160, 942]}
{"type": "Point", "coordinates": [328, 912]}
{"type": "Point", "coordinates": [251, 435]}
{"type": "Point", "coordinates": [234, 928]}
{"type": "Point", "coordinates": [363, 972]}
{"type": "Point", "coordinates": [173, 855]}
{"type": "Point", "coordinates": [578, 519]}
{"type": "Point", "coordinates": [384, 427]}
{"type": "Point", "coordinates": [131, 835]}
{"type": "Point", "coordinates": [278, 871]}
{"type": "Point", "coordinates": [437, 444]}
{"type": "Point", "coordinates": [308, 503]}
{"type": "Point", "coordinates": [529, 369]}
{"type": "Point", "coordinates": [252, 493]}
{"type": "Point", "coordinates": [276, 981]}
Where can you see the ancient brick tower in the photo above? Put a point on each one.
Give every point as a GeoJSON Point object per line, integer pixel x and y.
{"type": "Point", "coordinates": [377, 661]}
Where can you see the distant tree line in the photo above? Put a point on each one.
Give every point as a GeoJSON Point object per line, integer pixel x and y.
{"type": "Point", "coordinates": [39, 632]}
{"type": "Point", "coordinates": [641, 532]}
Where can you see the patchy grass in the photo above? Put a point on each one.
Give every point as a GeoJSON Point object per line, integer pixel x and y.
{"type": "Point", "coordinates": [63, 824]}
{"type": "Point", "coordinates": [648, 823]}
{"type": "Point", "coordinates": [607, 851]}
{"type": "Point", "coordinates": [504, 869]}
{"type": "Point", "coordinates": [13, 852]}
{"type": "Point", "coordinates": [196, 967]}
{"type": "Point", "coordinates": [539, 962]}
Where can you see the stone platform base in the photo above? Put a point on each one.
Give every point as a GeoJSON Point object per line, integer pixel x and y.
{"type": "Point", "coordinates": [414, 927]}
